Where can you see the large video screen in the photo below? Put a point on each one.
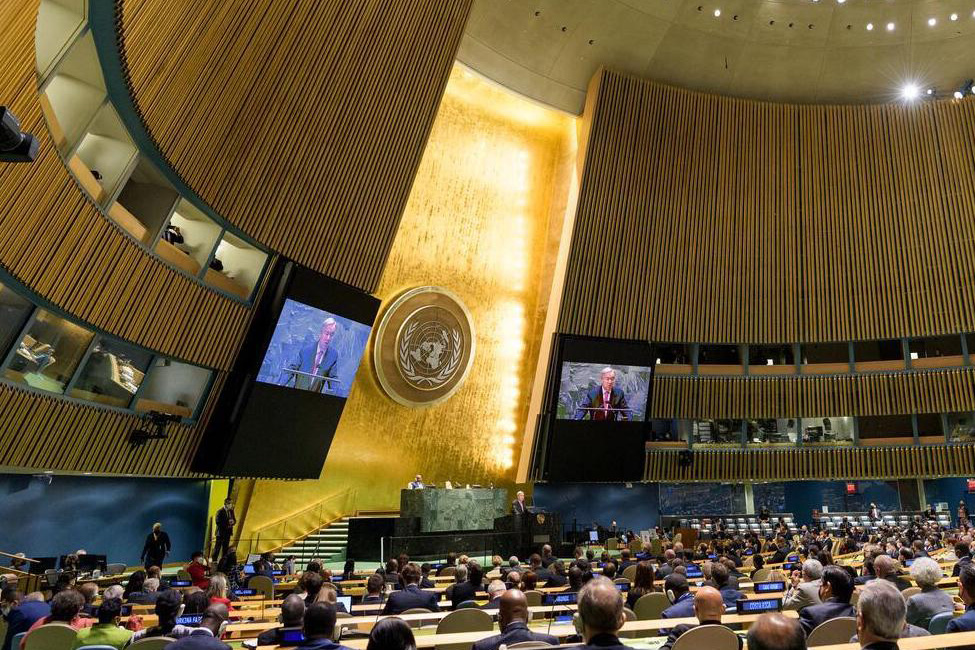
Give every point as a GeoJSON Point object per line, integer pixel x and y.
{"type": "Point", "coordinates": [314, 350]}
{"type": "Point", "coordinates": [601, 391]}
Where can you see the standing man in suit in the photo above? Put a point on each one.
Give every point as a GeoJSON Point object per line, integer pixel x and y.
{"type": "Point", "coordinates": [835, 592]}
{"type": "Point", "coordinates": [226, 519]}
{"type": "Point", "coordinates": [157, 547]}
{"type": "Point", "coordinates": [874, 512]}
{"type": "Point", "coordinates": [604, 402]}
{"type": "Point", "coordinates": [518, 506]}
{"type": "Point", "coordinates": [513, 623]}
{"type": "Point", "coordinates": [410, 595]}
{"type": "Point", "coordinates": [417, 483]}
{"type": "Point", "coordinates": [317, 358]}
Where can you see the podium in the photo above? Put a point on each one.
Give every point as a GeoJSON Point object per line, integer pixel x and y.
{"type": "Point", "coordinates": [441, 510]}
{"type": "Point", "coordinates": [531, 530]}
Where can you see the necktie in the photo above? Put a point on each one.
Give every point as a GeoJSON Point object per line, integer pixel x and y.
{"type": "Point", "coordinates": [605, 404]}
{"type": "Point", "coordinates": [318, 360]}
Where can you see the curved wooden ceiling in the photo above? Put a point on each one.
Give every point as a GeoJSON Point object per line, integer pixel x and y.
{"type": "Point", "coordinates": [300, 122]}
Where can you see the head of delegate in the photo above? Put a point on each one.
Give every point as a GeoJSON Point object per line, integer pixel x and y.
{"type": "Point", "coordinates": [605, 401]}
{"type": "Point", "coordinates": [316, 363]}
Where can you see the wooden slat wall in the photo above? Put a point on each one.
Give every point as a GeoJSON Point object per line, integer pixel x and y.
{"type": "Point", "coordinates": [827, 464]}
{"type": "Point", "coordinates": [54, 241]}
{"type": "Point", "coordinates": [788, 397]}
{"type": "Point", "coordinates": [712, 219]}
{"type": "Point", "coordinates": [300, 121]}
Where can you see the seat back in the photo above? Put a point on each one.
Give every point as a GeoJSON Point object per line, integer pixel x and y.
{"type": "Point", "coordinates": [97, 647]}
{"type": "Point", "coordinates": [114, 569]}
{"type": "Point", "coordinates": [447, 571]}
{"type": "Point", "coordinates": [629, 572]}
{"type": "Point", "coordinates": [464, 620]}
{"type": "Point", "coordinates": [649, 606]}
{"type": "Point", "coordinates": [835, 630]}
{"type": "Point", "coordinates": [534, 598]}
{"type": "Point", "coordinates": [777, 576]}
{"type": "Point", "coordinates": [631, 634]}
{"type": "Point", "coordinates": [263, 585]}
{"type": "Point", "coordinates": [467, 604]}
{"type": "Point", "coordinates": [416, 610]}
{"type": "Point", "coordinates": [712, 637]}
{"type": "Point", "coordinates": [939, 622]}
{"type": "Point", "coordinates": [528, 645]}
{"type": "Point", "coordinates": [761, 575]}
{"type": "Point", "coordinates": [153, 643]}
{"type": "Point", "coordinates": [183, 574]}
{"type": "Point", "coordinates": [52, 636]}
{"type": "Point", "coordinates": [910, 591]}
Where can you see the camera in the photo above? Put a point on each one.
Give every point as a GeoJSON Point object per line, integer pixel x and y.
{"type": "Point", "coordinates": [15, 145]}
{"type": "Point", "coordinates": [158, 420]}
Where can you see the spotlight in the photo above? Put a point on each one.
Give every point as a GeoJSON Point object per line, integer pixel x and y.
{"type": "Point", "coordinates": [932, 22]}
{"type": "Point", "coordinates": [959, 94]}
{"type": "Point", "coordinates": [717, 13]}
{"type": "Point", "coordinates": [15, 145]}
{"type": "Point", "coordinates": [953, 17]}
{"type": "Point", "coordinates": [967, 87]}
{"type": "Point", "coordinates": [910, 92]}
{"type": "Point", "coordinates": [869, 27]}
{"type": "Point", "coordinates": [890, 27]}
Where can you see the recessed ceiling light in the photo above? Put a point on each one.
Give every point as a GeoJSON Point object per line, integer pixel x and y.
{"type": "Point", "coordinates": [932, 22]}
{"type": "Point", "coordinates": [890, 27]}
{"type": "Point", "coordinates": [953, 16]}
{"type": "Point", "coordinates": [717, 13]}
{"type": "Point", "coordinates": [910, 91]}
{"type": "Point", "coordinates": [869, 27]}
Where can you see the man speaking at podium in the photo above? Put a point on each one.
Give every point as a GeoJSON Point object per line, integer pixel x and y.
{"type": "Point", "coordinates": [604, 402]}
{"type": "Point", "coordinates": [317, 358]}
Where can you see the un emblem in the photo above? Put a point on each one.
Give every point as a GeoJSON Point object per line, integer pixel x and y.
{"type": "Point", "coordinates": [424, 346]}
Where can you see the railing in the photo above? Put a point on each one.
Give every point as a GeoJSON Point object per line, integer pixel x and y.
{"type": "Point", "coordinates": [299, 524]}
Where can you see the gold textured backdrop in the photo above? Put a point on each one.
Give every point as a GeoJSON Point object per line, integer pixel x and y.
{"type": "Point", "coordinates": [482, 220]}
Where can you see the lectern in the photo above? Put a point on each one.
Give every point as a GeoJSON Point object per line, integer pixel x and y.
{"type": "Point", "coordinates": [441, 510]}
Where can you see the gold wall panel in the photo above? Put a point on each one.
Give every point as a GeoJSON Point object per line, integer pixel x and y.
{"type": "Point", "coordinates": [943, 391]}
{"type": "Point", "coordinates": [54, 241]}
{"type": "Point", "coordinates": [711, 219]}
{"type": "Point", "coordinates": [482, 221]}
{"type": "Point", "coordinates": [826, 464]}
{"type": "Point", "coordinates": [300, 121]}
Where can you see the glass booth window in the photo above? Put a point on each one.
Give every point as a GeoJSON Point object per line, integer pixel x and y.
{"type": "Point", "coordinates": [961, 426]}
{"type": "Point", "coordinates": [672, 353]}
{"type": "Point", "coordinates": [717, 432]}
{"type": "Point", "coordinates": [939, 346]}
{"type": "Point", "coordinates": [721, 355]}
{"type": "Point", "coordinates": [929, 426]}
{"type": "Point", "coordinates": [885, 350]}
{"type": "Point", "coordinates": [188, 239]}
{"type": "Point", "coordinates": [236, 266]}
{"type": "Point", "coordinates": [824, 353]}
{"type": "Point", "coordinates": [782, 431]}
{"type": "Point", "coordinates": [49, 353]}
{"type": "Point", "coordinates": [886, 426]}
{"type": "Point", "coordinates": [827, 430]}
{"type": "Point", "coordinates": [112, 374]}
{"type": "Point", "coordinates": [771, 355]}
{"type": "Point", "coordinates": [14, 312]}
{"type": "Point", "coordinates": [173, 387]}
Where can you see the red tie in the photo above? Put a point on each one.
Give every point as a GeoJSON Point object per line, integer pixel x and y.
{"type": "Point", "coordinates": [605, 404]}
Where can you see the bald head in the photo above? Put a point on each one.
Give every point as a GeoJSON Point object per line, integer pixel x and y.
{"type": "Point", "coordinates": [776, 632]}
{"type": "Point", "coordinates": [512, 607]}
{"type": "Point", "coordinates": [600, 608]}
{"type": "Point", "coordinates": [292, 611]}
{"type": "Point", "coordinates": [883, 565]}
{"type": "Point", "coordinates": [708, 604]}
{"type": "Point", "coordinates": [213, 617]}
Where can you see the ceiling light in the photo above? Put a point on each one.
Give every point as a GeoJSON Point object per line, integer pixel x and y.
{"type": "Point", "coordinates": [953, 16]}
{"type": "Point", "coordinates": [890, 27]}
{"type": "Point", "coordinates": [840, 1]}
{"type": "Point", "coordinates": [932, 22]}
{"type": "Point", "coordinates": [717, 12]}
{"type": "Point", "coordinates": [959, 94]}
{"type": "Point", "coordinates": [910, 91]}
{"type": "Point", "coordinates": [869, 27]}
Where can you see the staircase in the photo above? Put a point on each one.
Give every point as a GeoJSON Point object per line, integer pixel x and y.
{"type": "Point", "coordinates": [327, 544]}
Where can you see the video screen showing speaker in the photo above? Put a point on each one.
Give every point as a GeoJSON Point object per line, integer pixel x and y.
{"type": "Point", "coordinates": [281, 402]}
{"type": "Point", "coordinates": [601, 391]}
{"type": "Point", "coordinates": [314, 350]}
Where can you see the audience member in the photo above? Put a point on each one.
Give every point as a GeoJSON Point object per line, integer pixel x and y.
{"type": "Point", "coordinates": [467, 590]}
{"type": "Point", "coordinates": [89, 591]}
{"type": "Point", "coordinates": [804, 593]}
{"type": "Point", "coordinates": [680, 597]}
{"type": "Point", "coordinates": [319, 626]}
{"type": "Point", "coordinates": [391, 634]}
{"type": "Point", "coordinates": [835, 592]}
{"type": "Point", "coordinates": [932, 600]}
{"type": "Point", "coordinates": [708, 607]}
{"type": "Point", "coordinates": [22, 613]}
{"type": "Point", "coordinates": [609, 570]}
{"type": "Point", "coordinates": [411, 596]}
{"type": "Point", "coordinates": [291, 618]}
{"type": "Point", "coordinates": [310, 583]}
{"type": "Point", "coordinates": [513, 617]}
{"type": "Point", "coordinates": [207, 635]}
{"type": "Point", "coordinates": [65, 608]}
{"type": "Point", "coordinates": [557, 574]}
{"type": "Point", "coordinates": [217, 591]}
{"type": "Point", "coordinates": [880, 616]}
{"type": "Point", "coordinates": [529, 581]}
{"type": "Point", "coordinates": [776, 632]}
{"type": "Point", "coordinates": [966, 589]}
{"type": "Point", "coordinates": [425, 581]}
{"type": "Point", "coordinates": [135, 585]}
{"type": "Point", "coordinates": [642, 584]}
{"type": "Point", "coordinates": [167, 609]}
{"type": "Point", "coordinates": [600, 612]}
{"type": "Point", "coordinates": [494, 589]}
{"type": "Point", "coordinates": [197, 568]}
{"type": "Point", "coordinates": [106, 631]}
{"type": "Point", "coordinates": [886, 568]}
{"type": "Point", "coordinates": [963, 554]}
{"type": "Point", "coordinates": [547, 557]}
{"type": "Point", "coordinates": [719, 575]}
{"type": "Point", "coordinates": [575, 579]}
{"type": "Point", "coordinates": [374, 589]}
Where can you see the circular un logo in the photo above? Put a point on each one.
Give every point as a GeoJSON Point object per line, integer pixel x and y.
{"type": "Point", "coordinates": [424, 346]}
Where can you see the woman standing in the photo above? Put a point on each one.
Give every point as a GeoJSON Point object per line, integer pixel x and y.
{"type": "Point", "coordinates": [962, 513]}
{"type": "Point", "coordinates": [157, 547]}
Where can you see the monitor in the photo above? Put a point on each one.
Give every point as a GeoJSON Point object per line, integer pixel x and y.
{"type": "Point", "coordinates": [42, 564]}
{"type": "Point", "coordinates": [560, 598]}
{"type": "Point", "coordinates": [693, 571]}
{"type": "Point", "coordinates": [759, 605]}
{"type": "Point", "coordinates": [91, 562]}
{"type": "Point", "coordinates": [623, 586]}
{"type": "Point", "coordinates": [277, 572]}
{"type": "Point", "coordinates": [180, 583]}
{"type": "Point", "coordinates": [292, 636]}
{"type": "Point", "coordinates": [909, 562]}
{"type": "Point", "coordinates": [249, 570]}
{"type": "Point", "coordinates": [792, 558]}
{"type": "Point", "coordinates": [749, 551]}
{"type": "Point", "coordinates": [765, 587]}
{"type": "Point", "coordinates": [594, 536]}
{"type": "Point", "coordinates": [347, 601]}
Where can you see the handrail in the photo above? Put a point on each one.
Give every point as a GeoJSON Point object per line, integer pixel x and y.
{"type": "Point", "coordinates": [18, 557]}
{"type": "Point", "coordinates": [298, 513]}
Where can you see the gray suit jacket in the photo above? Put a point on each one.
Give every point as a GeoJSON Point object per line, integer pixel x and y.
{"type": "Point", "coordinates": [806, 594]}
{"type": "Point", "coordinates": [923, 606]}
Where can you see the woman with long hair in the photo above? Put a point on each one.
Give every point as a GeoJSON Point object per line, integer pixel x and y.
{"type": "Point", "coordinates": [642, 583]}
{"type": "Point", "coordinates": [135, 584]}
{"type": "Point", "coordinates": [391, 634]}
{"type": "Point", "coordinates": [217, 591]}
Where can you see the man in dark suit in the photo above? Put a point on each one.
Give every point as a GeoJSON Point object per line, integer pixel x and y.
{"type": "Point", "coordinates": [494, 589]}
{"type": "Point", "coordinates": [518, 506]}
{"type": "Point", "coordinates": [721, 579]}
{"type": "Point", "coordinates": [626, 560]}
{"type": "Point", "coordinates": [319, 627]}
{"type": "Point", "coordinates": [708, 608]}
{"type": "Point", "coordinates": [410, 595]}
{"type": "Point", "coordinates": [292, 617]}
{"type": "Point", "coordinates": [316, 358]}
{"type": "Point", "coordinates": [834, 592]}
{"type": "Point", "coordinates": [23, 612]}
{"type": "Point", "coordinates": [885, 569]}
{"type": "Point", "coordinates": [966, 590]}
{"type": "Point", "coordinates": [604, 402]}
{"type": "Point", "coordinates": [963, 553]}
{"type": "Point", "coordinates": [207, 635]}
{"type": "Point", "coordinates": [679, 594]}
{"type": "Point", "coordinates": [513, 623]}
{"type": "Point", "coordinates": [880, 616]}
{"type": "Point", "coordinates": [226, 519]}
{"type": "Point", "coordinates": [600, 615]}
